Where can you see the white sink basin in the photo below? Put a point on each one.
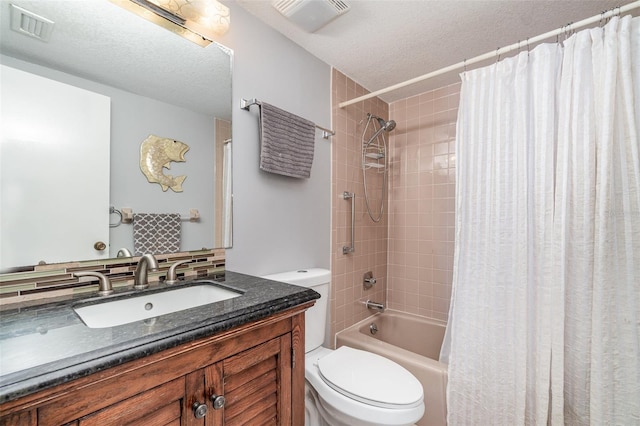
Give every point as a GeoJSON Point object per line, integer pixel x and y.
{"type": "Point", "coordinates": [124, 311]}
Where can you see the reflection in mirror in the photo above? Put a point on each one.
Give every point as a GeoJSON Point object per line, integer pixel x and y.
{"type": "Point", "coordinates": [157, 83]}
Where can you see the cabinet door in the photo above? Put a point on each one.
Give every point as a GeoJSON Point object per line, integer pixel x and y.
{"type": "Point", "coordinates": [201, 386]}
{"type": "Point", "coordinates": [256, 386]}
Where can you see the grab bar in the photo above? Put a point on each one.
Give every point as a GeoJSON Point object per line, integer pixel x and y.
{"type": "Point", "coordinates": [346, 195]}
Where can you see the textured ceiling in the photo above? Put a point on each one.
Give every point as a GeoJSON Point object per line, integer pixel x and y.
{"type": "Point", "coordinates": [98, 40]}
{"type": "Point", "coordinates": [379, 43]}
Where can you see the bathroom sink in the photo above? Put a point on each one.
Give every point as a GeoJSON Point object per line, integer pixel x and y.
{"type": "Point", "coordinates": [146, 306]}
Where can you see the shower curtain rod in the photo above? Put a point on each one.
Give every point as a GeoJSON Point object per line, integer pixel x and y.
{"type": "Point", "coordinates": [496, 53]}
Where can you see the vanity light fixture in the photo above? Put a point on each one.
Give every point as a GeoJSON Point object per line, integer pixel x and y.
{"type": "Point", "coordinates": [199, 21]}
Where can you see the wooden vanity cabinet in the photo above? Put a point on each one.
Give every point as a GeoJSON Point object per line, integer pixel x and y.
{"type": "Point", "coordinates": [252, 375]}
{"type": "Point", "coordinates": [250, 384]}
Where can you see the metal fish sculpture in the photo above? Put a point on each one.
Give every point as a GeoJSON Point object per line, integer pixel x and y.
{"type": "Point", "coordinates": [157, 153]}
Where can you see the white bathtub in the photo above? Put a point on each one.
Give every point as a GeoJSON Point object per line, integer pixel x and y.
{"type": "Point", "coordinates": [413, 342]}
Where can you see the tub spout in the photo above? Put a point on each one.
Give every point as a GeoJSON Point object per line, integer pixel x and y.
{"type": "Point", "coordinates": [375, 306]}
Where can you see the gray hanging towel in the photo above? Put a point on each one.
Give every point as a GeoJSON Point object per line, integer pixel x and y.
{"type": "Point", "coordinates": [156, 233]}
{"type": "Point", "coordinates": [286, 142]}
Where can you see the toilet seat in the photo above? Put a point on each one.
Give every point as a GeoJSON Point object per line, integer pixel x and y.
{"type": "Point", "coordinates": [370, 378]}
{"type": "Point", "coordinates": [339, 409]}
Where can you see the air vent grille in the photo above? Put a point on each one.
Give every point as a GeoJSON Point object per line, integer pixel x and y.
{"type": "Point", "coordinates": [30, 24]}
{"type": "Point", "coordinates": [341, 7]}
{"type": "Point", "coordinates": [284, 6]}
{"type": "Point", "coordinates": [311, 15]}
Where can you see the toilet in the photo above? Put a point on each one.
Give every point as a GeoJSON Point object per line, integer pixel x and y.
{"type": "Point", "coordinates": [346, 386]}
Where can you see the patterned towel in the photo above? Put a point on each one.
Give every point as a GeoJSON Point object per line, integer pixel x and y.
{"type": "Point", "coordinates": [287, 142]}
{"type": "Point", "coordinates": [156, 233]}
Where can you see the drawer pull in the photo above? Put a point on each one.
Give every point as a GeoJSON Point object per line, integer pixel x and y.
{"type": "Point", "coordinates": [218, 401]}
{"type": "Point", "coordinates": [199, 410]}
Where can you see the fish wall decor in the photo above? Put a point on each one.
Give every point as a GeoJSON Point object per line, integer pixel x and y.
{"type": "Point", "coordinates": [157, 153]}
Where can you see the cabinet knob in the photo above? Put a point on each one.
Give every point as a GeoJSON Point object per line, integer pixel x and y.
{"type": "Point", "coordinates": [99, 246]}
{"type": "Point", "coordinates": [199, 410]}
{"type": "Point", "coordinates": [218, 401]}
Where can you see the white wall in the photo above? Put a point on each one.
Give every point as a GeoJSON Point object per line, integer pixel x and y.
{"type": "Point", "coordinates": [279, 223]}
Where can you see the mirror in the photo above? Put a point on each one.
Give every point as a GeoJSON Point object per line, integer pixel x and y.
{"type": "Point", "coordinates": [158, 83]}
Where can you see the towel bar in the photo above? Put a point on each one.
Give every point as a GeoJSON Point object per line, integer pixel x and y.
{"type": "Point", "coordinates": [245, 104]}
{"type": "Point", "coordinates": [113, 210]}
{"type": "Point", "coordinates": [127, 215]}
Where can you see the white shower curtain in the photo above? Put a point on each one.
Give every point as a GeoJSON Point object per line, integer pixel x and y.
{"type": "Point", "coordinates": [544, 326]}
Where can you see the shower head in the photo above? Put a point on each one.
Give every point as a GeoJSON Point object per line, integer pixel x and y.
{"type": "Point", "coordinates": [387, 126]}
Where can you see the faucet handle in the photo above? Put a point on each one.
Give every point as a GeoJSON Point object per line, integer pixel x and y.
{"type": "Point", "coordinates": [172, 275]}
{"type": "Point", "coordinates": [124, 252]}
{"type": "Point", "coordinates": [104, 288]}
{"type": "Point", "coordinates": [368, 281]}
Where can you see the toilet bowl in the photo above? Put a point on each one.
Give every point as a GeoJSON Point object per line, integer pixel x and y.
{"type": "Point", "coordinates": [346, 386]}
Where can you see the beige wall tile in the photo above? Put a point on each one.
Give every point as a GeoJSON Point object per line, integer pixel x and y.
{"type": "Point", "coordinates": [410, 251]}
{"type": "Point", "coordinates": [421, 235]}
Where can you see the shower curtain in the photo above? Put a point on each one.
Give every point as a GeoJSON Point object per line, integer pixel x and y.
{"type": "Point", "coordinates": [544, 325]}
{"type": "Point", "coordinates": [227, 195]}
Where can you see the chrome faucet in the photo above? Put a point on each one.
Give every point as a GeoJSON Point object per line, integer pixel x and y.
{"type": "Point", "coordinates": [104, 283]}
{"type": "Point", "coordinates": [146, 263]}
{"type": "Point", "coordinates": [375, 306]}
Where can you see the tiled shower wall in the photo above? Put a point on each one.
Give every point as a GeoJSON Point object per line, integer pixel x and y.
{"type": "Point", "coordinates": [422, 203]}
{"type": "Point", "coordinates": [347, 270]}
{"type": "Point", "coordinates": [410, 251]}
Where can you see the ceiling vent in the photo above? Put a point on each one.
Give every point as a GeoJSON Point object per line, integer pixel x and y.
{"type": "Point", "coordinates": [311, 15]}
{"type": "Point", "coordinates": [28, 23]}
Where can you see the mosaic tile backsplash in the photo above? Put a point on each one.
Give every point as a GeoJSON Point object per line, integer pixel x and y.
{"type": "Point", "coordinates": [55, 280]}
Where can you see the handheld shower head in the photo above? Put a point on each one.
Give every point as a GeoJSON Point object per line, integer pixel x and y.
{"type": "Point", "coordinates": [387, 126]}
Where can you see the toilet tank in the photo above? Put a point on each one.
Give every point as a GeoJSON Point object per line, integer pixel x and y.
{"type": "Point", "coordinates": [317, 279]}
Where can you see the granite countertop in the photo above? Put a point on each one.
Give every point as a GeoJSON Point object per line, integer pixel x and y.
{"type": "Point", "coordinates": [45, 345]}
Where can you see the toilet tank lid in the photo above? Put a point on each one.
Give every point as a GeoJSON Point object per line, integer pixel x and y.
{"type": "Point", "coordinates": [303, 277]}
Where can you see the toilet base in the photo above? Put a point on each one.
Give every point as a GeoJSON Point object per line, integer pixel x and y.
{"type": "Point", "coordinates": [318, 413]}
{"type": "Point", "coordinates": [312, 416]}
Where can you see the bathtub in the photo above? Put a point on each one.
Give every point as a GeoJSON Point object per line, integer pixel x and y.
{"type": "Point", "coordinates": [413, 342]}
